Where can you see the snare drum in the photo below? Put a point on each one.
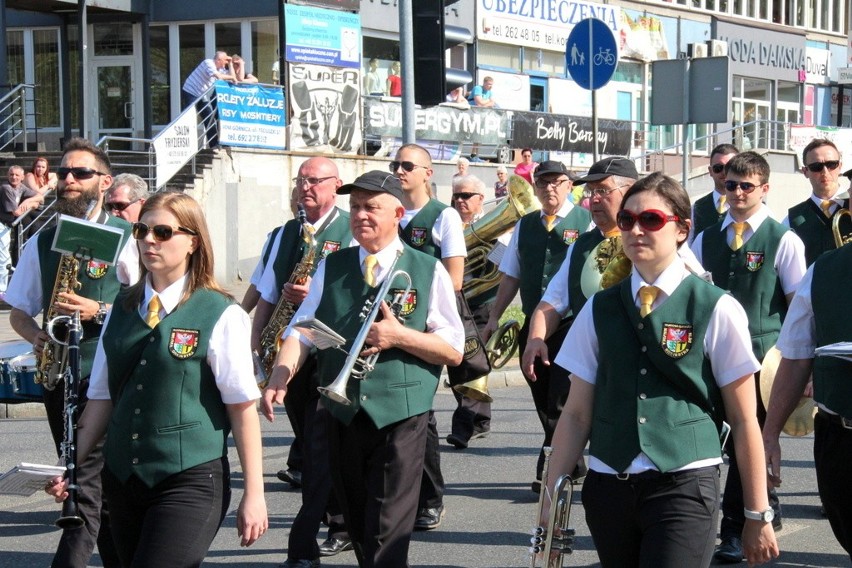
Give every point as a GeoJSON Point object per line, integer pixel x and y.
{"type": "Point", "coordinates": [17, 373]}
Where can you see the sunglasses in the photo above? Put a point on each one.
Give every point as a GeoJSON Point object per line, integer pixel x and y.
{"type": "Point", "coordinates": [407, 166]}
{"type": "Point", "coordinates": [310, 181]}
{"type": "Point", "coordinates": [78, 173]}
{"type": "Point", "coordinates": [650, 220]}
{"type": "Point", "coordinates": [110, 207]}
{"type": "Point", "coordinates": [819, 166]}
{"type": "Point", "coordinates": [717, 168]}
{"type": "Point", "coordinates": [464, 195]}
{"type": "Point", "coordinates": [747, 187]}
{"type": "Point", "coordinates": [161, 232]}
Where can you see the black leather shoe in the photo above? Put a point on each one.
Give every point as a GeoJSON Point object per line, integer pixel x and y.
{"type": "Point", "coordinates": [429, 518]}
{"type": "Point", "coordinates": [291, 476]}
{"type": "Point", "coordinates": [730, 551]}
{"type": "Point", "coordinates": [536, 486]}
{"type": "Point", "coordinates": [300, 564]}
{"type": "Point", "coordinates": [333, 546]}
{"type": "Point", "coordinates": [458, 441]}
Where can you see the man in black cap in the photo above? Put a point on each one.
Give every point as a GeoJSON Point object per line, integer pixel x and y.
{"type": "Point", "coordinates": [378, 441]}
{"type": "Point", "coordinates": [535, 253]}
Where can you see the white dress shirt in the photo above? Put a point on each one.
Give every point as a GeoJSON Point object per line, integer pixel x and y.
{"type": "Point", "coordinates": [836, 203]}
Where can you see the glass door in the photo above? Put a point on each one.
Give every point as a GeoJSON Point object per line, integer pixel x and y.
{"type": "Point", "coordinates": [114, 107]}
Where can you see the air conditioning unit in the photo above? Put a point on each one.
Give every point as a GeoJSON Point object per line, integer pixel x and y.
{"type": "Point", "coordinates": [695, 50]}
{"type": "Point", "coordinates": [718, 48]}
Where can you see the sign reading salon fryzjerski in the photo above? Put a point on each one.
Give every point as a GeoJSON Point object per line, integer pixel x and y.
{"type": "Point", "coordinates": [564, 133]}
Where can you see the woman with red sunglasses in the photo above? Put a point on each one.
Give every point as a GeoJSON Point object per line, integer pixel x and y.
{"type": "Point", "coordinates": [171, 378]}
{"type": "Point", "coordinates": [658, 362]}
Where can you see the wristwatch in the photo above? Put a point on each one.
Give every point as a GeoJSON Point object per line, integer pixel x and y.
{"type": "Point", "coordinates": [100, 315]}
{"type": "Point", "coordinates": [763, 516]}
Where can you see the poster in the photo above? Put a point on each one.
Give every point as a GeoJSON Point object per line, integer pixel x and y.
{"type": "Point", "coordinates": [175, 145]}
{"type": "Point", "coordinates": [325, 37]}
{"type": "Point", "coordinates": [565, 133]}
{"type": "Point", "coordinates": [251, 115]}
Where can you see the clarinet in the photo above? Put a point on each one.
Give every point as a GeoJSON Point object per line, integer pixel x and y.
{"type": "Point", "coordinates": [70, 517]}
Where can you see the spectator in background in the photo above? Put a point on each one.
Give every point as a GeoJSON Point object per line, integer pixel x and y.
{"type": "Point", "coordinates": [40, 178]}
{"type": "Point", "coordinates": [373, 81]}
{"type": "Point", "coordinates": [501, 186]}
{"type": "Point", "coordinates": [481, 94]}
{"type": "Point", "coordinates": [238, 65]}
{"type": "Point", "coordinates": [457, 96]}
{"type": "Point", "coordinates": [462, 164]}
{"type": "Point", "coordinates": [526, 168]}
{"type": "Point", "coordinates": [16, 199]}
{"type": "Point", "coordinates": [197, 85]}
{"type": "Point", "coordinates": [394, 81]}
{"type": "Point", "coordinates": [126, 197]}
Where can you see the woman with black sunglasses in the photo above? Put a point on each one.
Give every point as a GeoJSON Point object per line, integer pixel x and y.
{"type": "Point", "coordinates": [657, 362]}
{"type": "Point", "coordinates": [172, 377]}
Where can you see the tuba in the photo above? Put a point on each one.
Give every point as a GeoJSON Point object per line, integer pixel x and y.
{"type": "Point", "coordinates": [841, 236]}
{"type": "Point", "coordinates": [553, 541]}
{"type": "Point", "coordinates": [605, 266]}
{"type": "Point", "coordinates": [54, 356]}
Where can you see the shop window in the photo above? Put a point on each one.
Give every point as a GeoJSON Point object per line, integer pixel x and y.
{"type": "Point", "coordinates": [160, 70]}
{"type": "Point", "coordinates": [229, 37]}
{"type": "Point", "coordinates": [539, 60]}
{"type": "Point", "coordinates": [264, 48]}
{"type": "Point", "coordinates": [73, 65]}
{"type": "Point", "coordinates": [113, 38]}
{"type": "Point", "coordinates": [46, 76]}
{"type": "Point", "coordinates": [191, 48]}
{"type": "Point", "coordinates": [499, 55]}
{"type": "Point", "coordinates": [628, 72]}
{"type": "Point", "coordinates": [15, 57]}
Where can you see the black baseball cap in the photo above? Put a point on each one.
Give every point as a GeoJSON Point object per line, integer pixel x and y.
{"type": "Point", "coordinates": [613, 166]}
{"type": "Point", "coordinates": [848, 174]}
{"type": "Point", "coordinates": [551, 167]}
{"type": "Point", "coordinates": [375, 180]}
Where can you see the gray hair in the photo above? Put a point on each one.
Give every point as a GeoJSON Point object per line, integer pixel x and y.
{"type": "Point", "coordinates": [501, 169]}
{"type": "Point", "coordinates": [136, 186]}
{"type": "Point", "coordinates": [13, 168]}
{"type": "Point", "coordinates": [464, 161]}
{"type": "Point", "coordinates": [468, 181]}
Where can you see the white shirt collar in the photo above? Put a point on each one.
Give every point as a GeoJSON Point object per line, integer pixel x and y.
{"type": "Point", "coordinates": [384, 256]}
{"type": "Point", "coordinates": [169, 298]}
{"type": "Point", "coordinates": [667, 281]}
{"type": "Point", "coordinates": [566, 208]}
{"type": "Point", "coordinates": [833, 199]}
{"type": "Point", "coordinates": [319, 222]}
{"type": "Point", "coordinates": [753, 222]}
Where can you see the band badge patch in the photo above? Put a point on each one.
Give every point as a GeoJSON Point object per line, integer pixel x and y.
{"type": "Point", "coordinates": [329, 247]}
{"type": "Point", "coordinates": [570, 235]}
{"type": "Point", "coordinates": [183, 343]}
{"type": "Point", "coordinates": [418, 236]}
{"type": "Point", "coordinates": [409, 303]}
{"type": "Point", "coordinates": [677, 339]}
{"type": "Point", "coordinates": [96, 270]}
{"type": "Point", "coordinates": [472, 345]}
{"type": "Point", "coordinates": [754, 261]}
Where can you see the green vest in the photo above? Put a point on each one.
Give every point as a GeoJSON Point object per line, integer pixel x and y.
{"type": "Point", "coordinates": [418, 233]}
{"type": "Point", "coordinates": [749, 275]}
{"type": "Point", "coordinates": [401, 385]}
{"type": "Point", "coordinates": [335, 236]}
{"type": "Point", "coordinates": [832, 386]}
{"type": "Point", "coordinates": [704, 213]}
{"type": "Point", "coordinates": [168, 415]}
{"type": "Point", "coordinates": [97, 282]}
{"type": "Point", "coordinates": [581, 250]}
{"type": "Point", "coordinates": [808, 221]}
{"type": "Point", "coordinates": [636, 407]}
{"type": "Point", "coordinates": [542, 252]}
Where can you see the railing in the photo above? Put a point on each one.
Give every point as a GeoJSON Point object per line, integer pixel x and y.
{"type": "Point", "coordinates": [13, 117]}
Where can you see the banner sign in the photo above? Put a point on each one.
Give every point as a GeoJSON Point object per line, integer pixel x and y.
{"type": "Point", "coordinates": [175, 145]}
{"type": "Point", "coordinates": [473, 125]}
{"type": "Point", "coordinates": [326, 105]}
{"type": "Point", "coordinates": [800, 136]}
{"type": "Point", "coordinates": [564, 133]}
{"type": "Point", "coordinates": [323, 37]}
{"type": "Point", "coordinates": [251, 115]}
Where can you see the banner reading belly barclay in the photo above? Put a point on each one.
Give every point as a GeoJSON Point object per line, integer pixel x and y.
{"type": "Point", "coordinates": [251, 115]}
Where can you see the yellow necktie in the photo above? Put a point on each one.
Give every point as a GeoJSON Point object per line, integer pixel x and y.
{"type": "Point", "coordinates": [370, 263]}
{"type": "Point", "coordinates": [616, 232]}
{"type": "Point", "coordinates": [549, 221]}
{"type": "Point", "coordinates": [647, 295]}
{"type": "Point", "coordinates": [721, 207]}
{"type": "Point", "coordinates": [152, 318]}
{"type": "Point", "coordinates": [739, 229]}
{"type": "Point", "coordinates": [826, 207]}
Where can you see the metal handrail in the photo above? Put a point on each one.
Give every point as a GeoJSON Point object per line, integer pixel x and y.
{"type": "Point", "coordinates": [13, 116]}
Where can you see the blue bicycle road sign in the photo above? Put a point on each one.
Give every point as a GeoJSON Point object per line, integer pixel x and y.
{"type": "Point", "coordinates": [591, 54]}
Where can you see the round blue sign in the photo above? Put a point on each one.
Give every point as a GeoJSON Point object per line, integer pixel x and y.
{"type": "Point", "coordinates": [591, 54]}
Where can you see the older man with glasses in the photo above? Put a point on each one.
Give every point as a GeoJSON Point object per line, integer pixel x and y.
{"type": "Point", "coordinates": [126, 197]}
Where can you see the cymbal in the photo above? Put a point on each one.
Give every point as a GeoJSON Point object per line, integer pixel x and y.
{"type": "Point", "coordinates": [801, 421]}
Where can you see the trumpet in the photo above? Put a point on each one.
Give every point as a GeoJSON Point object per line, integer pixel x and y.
{"type": "Point", "coordinates": [556, 539]}
{"type": "Point", "coordinates": [841, 236]}
{"type": "Point", "coordinates": [357, 367]}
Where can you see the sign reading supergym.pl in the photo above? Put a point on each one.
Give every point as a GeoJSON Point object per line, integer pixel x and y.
{"type": "Point", "coordinates": [543, 24]}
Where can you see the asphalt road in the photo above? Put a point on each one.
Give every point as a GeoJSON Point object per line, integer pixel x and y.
{"type": "Point", "coordinates": [490, 507]}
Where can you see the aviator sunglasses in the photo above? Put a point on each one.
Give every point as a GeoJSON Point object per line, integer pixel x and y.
{"type": "Point", "coordinates": [161, 232]}
{"type": "Point", "coordinates": [747, 187]}
{"type": "Point", "coordinates": [110, 207]}
{"type": "Point", "coordinates": [407, 166]}
{"type": "Point", "coordinates": [650, 219]}
{"type": "Point", "coordinates": [717, 168]}
{"type": "Point", "coordinates": [819, 166]}
{"type": "Point", "coordinates": [78, 173]}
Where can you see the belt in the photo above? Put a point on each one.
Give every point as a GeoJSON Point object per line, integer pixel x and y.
{"type": "Point", "coordinates": [653, 475]}
{"type": "Point", "coordinates": [836, 419]}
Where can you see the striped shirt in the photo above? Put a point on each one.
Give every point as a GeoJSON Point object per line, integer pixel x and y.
{"type": "Point", "coordinates": [202, 78]}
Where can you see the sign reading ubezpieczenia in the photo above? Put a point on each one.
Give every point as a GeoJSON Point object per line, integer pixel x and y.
{"type": "Point", "coordinates": [475, 125]}
{"type": "Point", "coordinates": [251, 115]}
{"type": "Point", "coordinates": [566, 133]}
{"type": "Point", "coordinates": [175, 145]}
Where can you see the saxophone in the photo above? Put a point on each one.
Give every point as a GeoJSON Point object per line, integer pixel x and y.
{"type": "Point", "coordinates": [54, 355]}
{"type": "Point", "coordinates": [270, 339]}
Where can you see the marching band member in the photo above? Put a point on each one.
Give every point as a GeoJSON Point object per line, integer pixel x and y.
{"type": "Point", "coordinates": [166, 474]}
{"type": "Point", "coordinates": [378, 441]}
{"type": "Point", "coordinates": [650, 409]}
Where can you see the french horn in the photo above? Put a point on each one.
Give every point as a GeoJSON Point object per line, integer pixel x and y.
{"type": "Point", "coordinates": [605, 266]}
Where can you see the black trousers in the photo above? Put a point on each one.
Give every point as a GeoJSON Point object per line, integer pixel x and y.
{"type": "Point", "coordinates": [473, 415]}
{"type": "Point", "coordinates": [550, 389]}
{"type": "Point", "coordinates": [76, 545]}
{"type": "Point", "coordinates": [207, 115]}
{"type": "Point", "coordinates": [301, 393]}
{"type": "Point", "coordinates": [318, 498]}
{"type": "Point", "coordinates": [376, 474]}
{"type": "Point", "coordinates": [172, 523]}
{"type": "Point", "coordinates": [832, 448]}
{"type": "Point", "coordinates": [653, 519]}
{"type": "Point", "coordinates": [432, 484]}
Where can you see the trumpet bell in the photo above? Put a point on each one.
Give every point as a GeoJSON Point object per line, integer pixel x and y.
{"type": "Point", "coordinates": [801, 421]}
{"type": "Point", "coordinates": [477, 389]}
{"type": "Point", "coordinates": [503, 344]}
{"type": "Point", "coordinates": [841, 227]}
